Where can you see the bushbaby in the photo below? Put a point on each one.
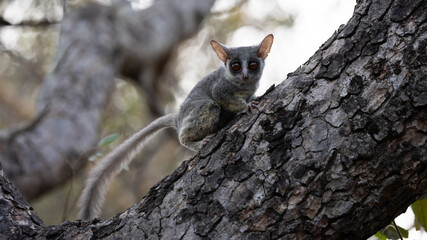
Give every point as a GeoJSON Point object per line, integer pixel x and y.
{"type": "Point", "coordinates": [210, 105]}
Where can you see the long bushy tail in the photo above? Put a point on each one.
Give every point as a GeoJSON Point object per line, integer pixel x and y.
{"type": "Point", "coordinates": [101, 175]}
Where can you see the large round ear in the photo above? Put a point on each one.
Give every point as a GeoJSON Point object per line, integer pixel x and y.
{"type": "Point", "coordinates": [220, 50]}
{"type": "Point", "coordinates": [265, 46]}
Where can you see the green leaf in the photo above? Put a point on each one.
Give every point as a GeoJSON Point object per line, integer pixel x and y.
{"type": "Point", "coordinates": [404, 232]}
{"type": "Point", "coordinates": [94, 157]}
{"type": "Point", "coordinates": [420, 210]}
{"type": "Point", "coordinates": [390, 232]}
{"type": "Point", "coordinates": [417, 225]}
{"type": "Point", "coordinates": [108, 140]}
{"type": "Point", "coordinates": [380, 236]}
{"type": "Point", "coordinates": [125, 167]}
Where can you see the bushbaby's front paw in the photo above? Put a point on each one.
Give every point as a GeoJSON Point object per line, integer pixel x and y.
{"type": "Point", "coordinates": [206, 140]}
{"type": "Point", "coordinates": [252, 106]}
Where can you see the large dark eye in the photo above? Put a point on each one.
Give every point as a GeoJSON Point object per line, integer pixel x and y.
{"type": "Point", "coordinates": [235, 66]}
{"type": "Point", "coordinates": [253, 65]}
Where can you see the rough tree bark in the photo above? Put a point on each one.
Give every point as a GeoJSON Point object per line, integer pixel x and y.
{"type": "Point", "coordinates": [335, 152]}
{"type": "Point", "coordinates": [96, 44]}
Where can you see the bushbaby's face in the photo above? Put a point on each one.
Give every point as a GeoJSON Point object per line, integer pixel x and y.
{"type": "Point", "coordinates": [243, 65]}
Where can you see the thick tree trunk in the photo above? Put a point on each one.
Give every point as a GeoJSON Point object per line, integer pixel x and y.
{"type": "Point", "coordinates": [96, 43]}
{"type": "Point", "coordinates": [334, 152]}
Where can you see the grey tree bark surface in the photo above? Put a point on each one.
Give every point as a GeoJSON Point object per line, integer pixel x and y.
{"type": "Point", "coordinates": [336, 151]}
{"type": "Point", "coordinates": [96, 44]}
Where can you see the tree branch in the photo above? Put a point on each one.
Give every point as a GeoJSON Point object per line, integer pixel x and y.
{"type": "Point", "coordinates": [336, 151]}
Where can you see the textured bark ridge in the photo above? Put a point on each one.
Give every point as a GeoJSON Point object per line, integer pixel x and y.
{"type": "Point", "coordinates": [96, 44]}
{"type": "Point", "coordinates": [336, 151]}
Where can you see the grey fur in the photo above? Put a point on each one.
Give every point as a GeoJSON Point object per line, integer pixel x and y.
{"type": "Point", "coordinates": [211, 104]}
{"type": "Point", "coordinates": [101, 175]}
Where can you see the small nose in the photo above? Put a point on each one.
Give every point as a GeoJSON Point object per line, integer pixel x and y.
{"type": "Point", "coordinates": [245, 76]}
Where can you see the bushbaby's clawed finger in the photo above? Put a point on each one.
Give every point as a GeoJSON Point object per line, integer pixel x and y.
{"type": "Point", "coordinates": [252, 106]}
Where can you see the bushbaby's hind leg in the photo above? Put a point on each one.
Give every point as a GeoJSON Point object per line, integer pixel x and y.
{"type": "Point", "coordinates": [200, 122]}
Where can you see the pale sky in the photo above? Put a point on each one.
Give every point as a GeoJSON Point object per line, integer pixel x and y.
{"type": "Point", "coordinates": [315, 22]}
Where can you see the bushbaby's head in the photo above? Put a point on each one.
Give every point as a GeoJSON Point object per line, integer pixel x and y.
{"type": "Point", "coordinates": [244, 65]}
